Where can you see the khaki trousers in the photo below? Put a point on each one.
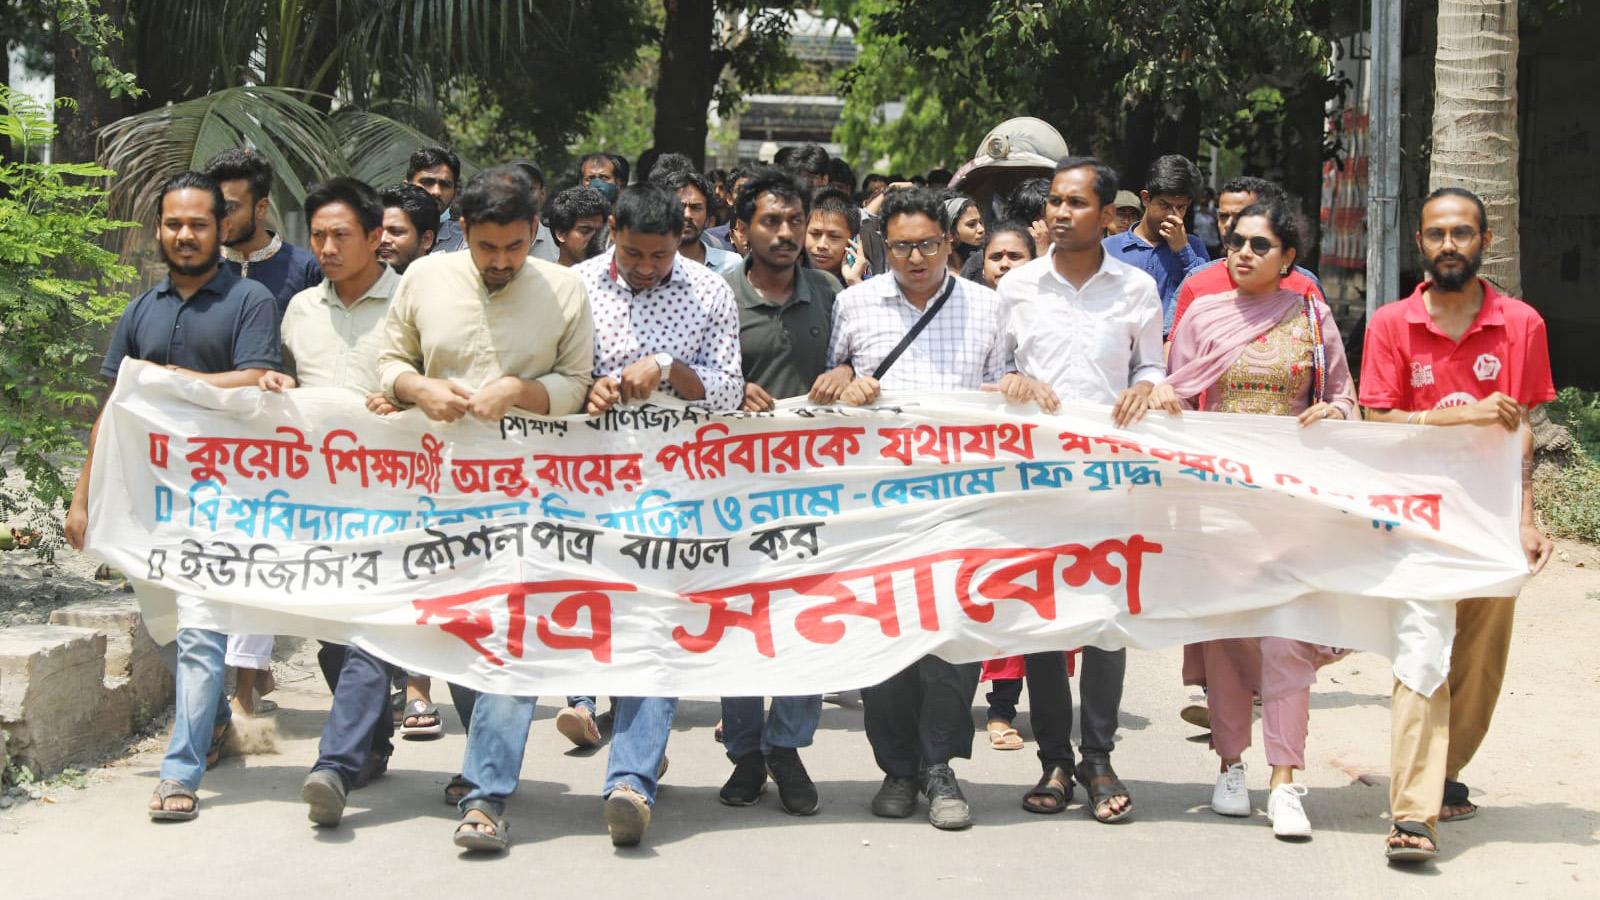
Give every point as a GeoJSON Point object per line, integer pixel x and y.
{"type": "Point", "coordinates": [1435, 737]}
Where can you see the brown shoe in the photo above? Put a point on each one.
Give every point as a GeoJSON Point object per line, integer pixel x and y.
{"type": "Point", "coordinates": [627, 816]}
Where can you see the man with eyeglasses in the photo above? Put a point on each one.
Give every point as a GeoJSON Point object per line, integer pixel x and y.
{"type": "Point", "coordinates": [438, 171]}
{"type": "Point", "coordinates": [1159, 244]}
{"type": "Point", "coordinates": [1455, 352]}
{"type": "Point", "coordinates": [921, 718]}
{"type": "Point", "coordinates": [1238, 194]}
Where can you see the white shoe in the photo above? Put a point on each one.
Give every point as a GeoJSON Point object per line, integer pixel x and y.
{"type": "Point", "coordinates": [1231, 797]}
{"type": "Point", "coordinates": [1287, 812]}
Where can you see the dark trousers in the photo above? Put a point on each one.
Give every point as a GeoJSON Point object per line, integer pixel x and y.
{"type": "Point", "coordinates": [921, 716]}
{"type": "Point", "coordinates": [359, 722]}
{"type": "Point", "coordinates": [1050, 703]}
{"type": "Point", "coordinates": [1003, 698]}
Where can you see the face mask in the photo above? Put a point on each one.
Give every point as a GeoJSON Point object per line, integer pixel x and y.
{"type": "Point", "coordinates": [606, 189]}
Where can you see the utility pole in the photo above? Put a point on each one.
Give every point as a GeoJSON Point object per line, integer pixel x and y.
{"type": "Point", "coordinates": [1383, 158]}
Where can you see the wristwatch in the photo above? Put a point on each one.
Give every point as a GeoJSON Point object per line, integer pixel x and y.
{"type": "Point", "coordinates": [664, 360]}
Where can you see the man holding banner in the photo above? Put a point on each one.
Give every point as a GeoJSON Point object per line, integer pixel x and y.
{"type": "Point", "coordinates": [481, 333]}
{"type": "Point", "coordinates": [1085, 327]}
{"type": "Point", "coordinates": [785, 320]}
{"type": "Point", "coordinates": [916, 327]}
{"type": "Point", "coordinates": [204, 322]}
{"type": "Point", "coordinates": [662, 322]}
{"type": "Point", "coordinates": [331, 335]}
{"type": "Point", "coordinates": [1456, 352]}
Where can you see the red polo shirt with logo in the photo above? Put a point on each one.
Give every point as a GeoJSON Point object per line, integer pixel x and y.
{"type": "Point", "coordinates": [1409, 364]}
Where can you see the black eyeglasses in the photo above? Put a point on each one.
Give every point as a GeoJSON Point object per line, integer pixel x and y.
{"type": "Point", "coordinates": [1259, 245]}
{"type": "Point", "coordinates": [902, 249]}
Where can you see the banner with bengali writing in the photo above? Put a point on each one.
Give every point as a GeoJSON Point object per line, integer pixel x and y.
{"type": "Point", "coordinates": [669, 550]}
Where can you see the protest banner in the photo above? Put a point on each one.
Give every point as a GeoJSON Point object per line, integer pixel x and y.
{"type": "Point", "coordinates": [669, 550]}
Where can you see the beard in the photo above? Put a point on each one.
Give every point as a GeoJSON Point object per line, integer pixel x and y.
{"type": "Point", "coordinates": [1457, 278]}
{"type": "Point", "coordinates": [199, 269]}
{"type": "Point", "coordinates": [249, 232]}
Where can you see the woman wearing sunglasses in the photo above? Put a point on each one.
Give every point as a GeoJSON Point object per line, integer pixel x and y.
{"type": "Point", "coordinates": [1259, 349]}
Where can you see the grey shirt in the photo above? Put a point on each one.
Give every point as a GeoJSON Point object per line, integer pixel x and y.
{"type": "Point", "coordinates": [784, 347]}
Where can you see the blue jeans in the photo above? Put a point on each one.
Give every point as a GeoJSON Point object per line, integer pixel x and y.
{"type": "Point", "coordinates": [639, 743]}
{"type": "Point", "coordinates": [495, 745]}
{"type": "Point", "coordinates": [791, 723]}
{"type": "Point", "coordinates": [201, 705]}
{"type": "Point", "coordinates": [359, 721]}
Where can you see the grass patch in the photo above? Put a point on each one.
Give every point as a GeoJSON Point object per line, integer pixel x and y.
{"type": "Point", "coordinates": [1568, 499]}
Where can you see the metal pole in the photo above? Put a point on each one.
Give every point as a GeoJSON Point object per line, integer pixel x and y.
{"type": "Point", "coordinates": [1383, 152]}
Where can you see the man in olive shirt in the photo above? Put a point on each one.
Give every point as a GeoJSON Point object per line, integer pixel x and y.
{"type": "Point", "coordinates": [785, 321]}
{"type": "Point", "coordinates": [479, 333]}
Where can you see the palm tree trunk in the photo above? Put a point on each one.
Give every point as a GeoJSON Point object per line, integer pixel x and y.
{"type": "Point", "coordinates": [1475, 142]}
{"type": "Point", "coordinates": [687, 75]}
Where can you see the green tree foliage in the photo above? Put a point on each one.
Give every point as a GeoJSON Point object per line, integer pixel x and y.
{"type": "Point", "coordinates": [1120, 79]}
{"type": "Point", "coordinates": [328, 87]}
{"type": "Point", "coordinates": [58, 289]}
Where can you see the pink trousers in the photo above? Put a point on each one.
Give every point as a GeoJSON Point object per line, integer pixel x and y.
{"type": "Point", "coordinates": [1280, 670]}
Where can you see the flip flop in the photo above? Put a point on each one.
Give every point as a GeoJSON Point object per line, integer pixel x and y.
{"type": "Point", "coordinates": [458, 788]}
{"type": "Point", "coordinates": [418, 709]}
{"type": "Point", "coordinates": [1003, 737]}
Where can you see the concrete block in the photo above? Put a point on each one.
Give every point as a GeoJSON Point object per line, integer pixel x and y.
{"type": "Point", "coordinates": [133, 660]}
{"type": "Point", "coordinates": [53, 697]}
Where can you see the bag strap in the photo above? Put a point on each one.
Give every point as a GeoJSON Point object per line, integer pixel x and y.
{"type": "Point", "coordinates": [1319, 359]}
{"type": "Point", "coordinates": [938, 304]}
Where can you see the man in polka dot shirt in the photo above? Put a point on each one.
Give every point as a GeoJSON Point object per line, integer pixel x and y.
{"type": "Point", "coordinates": [661, 322]}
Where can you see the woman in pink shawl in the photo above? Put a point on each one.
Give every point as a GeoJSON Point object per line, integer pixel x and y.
{"type": "Point", "coordinates": [1259, 350]}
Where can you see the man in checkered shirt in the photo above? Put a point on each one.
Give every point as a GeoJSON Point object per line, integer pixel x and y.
{"type": "Point", "coordinates": [920, 719]}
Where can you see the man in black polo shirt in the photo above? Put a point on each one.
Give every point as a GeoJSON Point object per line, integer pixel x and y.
{"type": "Point", "coordinates": [785, 321]}
{"type": "Point", "coordinates": [204, 322]}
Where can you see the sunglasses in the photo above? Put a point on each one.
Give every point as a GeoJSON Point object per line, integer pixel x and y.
{"type": "Point", "coordinates": [1259, 245]}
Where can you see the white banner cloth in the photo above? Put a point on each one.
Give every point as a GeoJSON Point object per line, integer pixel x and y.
{"type": "Point", "coordinates": [667, 550]}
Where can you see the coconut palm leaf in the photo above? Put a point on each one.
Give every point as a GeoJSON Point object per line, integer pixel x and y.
{"type": "Point", "coordinates": [377, 146]}
{"type": "Point", "coordinates": [148, 148]}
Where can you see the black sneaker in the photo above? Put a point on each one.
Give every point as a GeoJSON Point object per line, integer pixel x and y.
{"type": "Point", "coordinates": [323, 793]}
{"type": "Point", "coordinates": [947, 807]}
{"type": "Point", "coordinates": [896, 799]}
{"type": "Point", "coordinates": [748, 781]}
{"type": "Point", "coordinates": [796, 791]}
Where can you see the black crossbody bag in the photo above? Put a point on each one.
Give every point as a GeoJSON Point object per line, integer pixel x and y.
{"type": "Point", "coordinates": [938, 304]}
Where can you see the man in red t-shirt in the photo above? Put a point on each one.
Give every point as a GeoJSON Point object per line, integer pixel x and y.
{"type": "Point", "coordinates": [1456, 352]}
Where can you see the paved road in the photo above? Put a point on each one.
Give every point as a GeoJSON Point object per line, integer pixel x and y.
{"type": "Point", "coordinates": [1538, 835]}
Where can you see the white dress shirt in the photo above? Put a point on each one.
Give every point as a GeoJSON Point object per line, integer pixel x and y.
{"type": "Point", "coordinates": [960, 350]}
{"type": "Point", "coordinates": [1090, 343]}
{"type": "Point", "coordinates": [692, 315]}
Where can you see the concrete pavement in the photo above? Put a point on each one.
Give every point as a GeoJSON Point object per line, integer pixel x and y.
{"type": "Point", "coordinates": [1537, 835]}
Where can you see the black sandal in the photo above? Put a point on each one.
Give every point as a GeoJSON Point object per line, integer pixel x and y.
{"type": "Point", "coordinates": [1402, 853]}
{"type": "Point", "coordinates": [1455, 794]}
{"type": "Point", "coordinates": [1102, 784]}
{"type": "Point", "coordinates": [471, 836]}
{"type": "Point", "coordinates": [457, 790]}
{"type": "Point", "coordinates": [1056, 784]}
{"type": "Point", "coordinates": [165, 791]}
{"type": "Point", "coordinates": [218, 741]}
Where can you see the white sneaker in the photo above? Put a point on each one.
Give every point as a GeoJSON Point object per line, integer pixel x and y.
{"type": "Point", "coordinates": [1287, 812]}
{"type": "Point", "coordinates": [1231, 797]}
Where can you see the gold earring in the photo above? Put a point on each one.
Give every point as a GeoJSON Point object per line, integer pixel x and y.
{"type": "Point", "coordinates": [1283, 270]}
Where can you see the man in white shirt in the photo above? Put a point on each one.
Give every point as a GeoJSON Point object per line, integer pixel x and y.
{"type": "Point", "coordinates": [1085, 327]}
{"type": "Point", "coordinates": [661, 322]}
{"type": "Point", "coordinates": [919, 719]}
